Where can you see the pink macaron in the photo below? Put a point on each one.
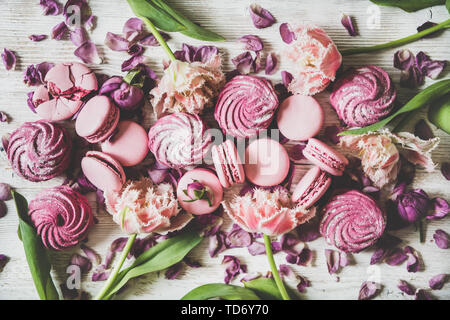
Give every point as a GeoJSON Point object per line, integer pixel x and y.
{"type": "Point", "coordinates": [97, 120]}
{"type": "Point", "coordinates": [311, 187]}
{"type": "Point", "coordinates": [103, 171]}
{"type": "Point", "coordinates": [324, 156]}
{"type": "Point", "coordinates": [228, 164]}
{"type": "Point", "coordinates": [266, 162]}
{"type": "Point", "coordinates": [300, 117]}
{"type": "Point", "coordinates": [191, 184]}
{"type": "Point", "coordinates": [128, 144]}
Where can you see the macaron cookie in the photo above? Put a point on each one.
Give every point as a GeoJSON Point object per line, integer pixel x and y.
{"type": "Point", "coordinates": [324, 156]}
{"type": "Point", "coordinates": [311, 187]}
{"type": "Point", "coordinates": [128, 144]}
{"type": "Point", "coordinates": [266, 162]}
{"type": "Point", "coordinates": [228, 164]}
{"type": "Point", "coordinates": [66, 84]}
{"type": "Point", "coordinates": [97, 120]}
{"type": "Point", "coordinates": [103, 171]}
{"type": "Point", "coordinates": [300, 117]}
{"type": "Point", "coordinates": [210, 182]}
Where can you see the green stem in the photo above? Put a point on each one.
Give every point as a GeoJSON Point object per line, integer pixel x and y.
{"type": "Point", "coordinates": [399, 42]}
{"type": "Point", "coordinates": [112, 277]}
{"type": "Point", "coordinates": [158, 37]}
{"type": "Point", "coordinates": [275, 273]}
{"type": "Point", "coordinates": [421, 233]}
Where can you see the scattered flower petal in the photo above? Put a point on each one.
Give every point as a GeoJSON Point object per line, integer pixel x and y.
{"type": "Point", "coordinates": [404, 59]}
{"type": "Point", "coordinates": [35, 74]}
{"type": "Point", "coordinates": [423, 295]}
{"type": "Point", "coordinates": [83, 262]}
{"type": "Point", "coordinates": [332, 258]}
{"type": "Point", "coordinates": [287, 35]}
{"type": "Point", "coordinates": [151, 41]}
{"type": "Point", "coordinates": [271, 64]}
{"type": "Point", "coordinates": [59, 31]}
{"type": "Point", "coordinates": [261, 17]}
{"type": "Point", "coordinates": [430, 68]}
{"type": "Point", "coordinates": [256, 248]}
{"type": "Point", "coordinates": [116, 42]}
{"type": "Point", "coordinates": [426, 25]}
{"type": "Point", "coordinates": [78, 36]}
{"type": "Point", "coordinates": [442, 239]}
{"type": "Point", "coordinates": [37, 37]}
{"type": "Point", "coordinates": [347, 22]}
{"type": "Point", "coordinates": [369, 290]}
{"type": "Point", "coordinates": [437, 282]}
{"type": "Point", "coordinates": [132, 29]}
{"type": "Point", "coordinates": [440, 209]}
{"type": "Point", "coordinates": [406, 287]}
{"type": "Point", "coordinates": [3, 117]}
{"type": "Point", "coordinates": [91, 254]}
{"type": "Point", "coordinates": [90, 23]}
{"type": "Point", "coordinates": [238, 237]}
{"type": "Point", "coordinates": [88, 53]}
{"type": "Point", "coordinates": [216, 244]}
{"type": "Point", "coordinates": [252, 42]}
{"type": "Point", "coordinates": [243, 62]}
{"type": "Point", "coordinates": [233, 267]}
{"type": "Point", "coordinates": [3, 261]}
{"type": "Point", "coordinates": [5, 192]}
{"type": "Point", "coordinates": [396, 257]}
{"type": "Point", "coordinates": [100, 276]}
{"type": "Point", "coordinates": [287, 78]}
{"type": "Point", "coordinates": [50, 7]}
{"type": "Point", "coordinates": [9, 59]}
{"type": "Point", "coordinates": [174, 271]}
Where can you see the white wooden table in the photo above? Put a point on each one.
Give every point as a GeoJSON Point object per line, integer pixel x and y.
{"type": "Point", "coordinates": [20, 18]}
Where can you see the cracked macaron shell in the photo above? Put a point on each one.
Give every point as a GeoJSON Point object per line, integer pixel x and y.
{"type": "Point", "coordinates": [311, 187]}
{"type": "Point", "coordinates": [228, 164]}
{"type": "Point", "coordinates": [324, 156]}
{"type": "Point", "coordinates": [97, 120]}
{"type": "Point", "coordinates": [103, 171]}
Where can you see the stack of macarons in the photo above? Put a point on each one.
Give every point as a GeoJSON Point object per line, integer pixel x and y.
{"type": "Point", "coordinates": [123, 143]}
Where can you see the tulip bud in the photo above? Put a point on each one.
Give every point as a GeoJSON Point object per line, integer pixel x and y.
{"type": "Point", "coordinates": [413, 205]}
{"type": "Point", "coordinates": [198, 191]}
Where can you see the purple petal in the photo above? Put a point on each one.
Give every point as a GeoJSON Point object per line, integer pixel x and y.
{"type": "Point", "coordinates": [136, 50]}
{"type": "Point", "coordinates": [287, 35]}
{"type": "Point", "coordinates": [287, 78]}
{"type": "Point", "coordinates": [404, 59]}
{"type": "Point", "coordinates": [252, 42]}
{"type": "Point", "coordinates": [3, 261]}
{"type": "Point", "coordinates": [90, 23]}
{"type": "Point", "coordinates": [88, 53]}
{"type": "Point", "coordinates": [173, 271]}
{"type": "Point", "coordinates": [151, 41]}
{"type": "Point", "coordinates": [413, 264]}
{"type": "Point", "coordinates": [30, 103]}
{"type": "Point", "coordinates": [396, 257]}
{"type": "Point", "coordinates": [238, 237]}
{"type": "Point", "coordinates": [251, 276]}
{"type": "Point", "coordinates": [243, 62]}
{"type": "Point", "coordinates": [291, 245]}
{"type": "Point", "coordinates": [411, 77]}
{"type": "Point", "coordinates": [116, 42]}
{"type": "Point", "coordinates": [50, 7]}
{"type": "Point", "coordinates": [110, 85]}
{"type": "Point", "coordinates": [132, 63]}
{"type": "Point", "coordinates": [344, 259]}
{"type": "Point", "coordinates": [271, 64]}
{"type": "Point", "coordinates": [9, 59]}
{"type": "Point", "coordinates": [445, 170]}
{"type": "Point", "coordinates": [186, 53]}
{"type": "Point", "coordinates": [132, 29]}
{"type": "Point", "coordinates": [83, 262]}
{"type": "Point", "coordinates": [441, 238]}
{"type": "Point", "coordinates": [369, 290]}
{"type": "Point", "coordinates": [347, 22]}
{"type": "Point", "coordinates": [78, 36]}
{"type": "Point", "coordinates": [378, 255]}
{"type": "Point", "coordinates": [5, 192]}
{"type": "Point", "coordinates": [59, 31]}
{"type": "Point", "coordinates": [332, 258]}
{"type": "Point", "coordinates": [287, 272]}
{"type": "Point", "coordinates": [233, 267]}
{"type": "Point", "coordinates": [427, 25]}
{"type": "Point", "coordinates": [406, 287]}
{"type": "Point", "coordinates": [309, 231]}
{"type": "Point", "coordinates": [305, 257]}
{"type": "Point", "coordinates": [191, 263]}
{"type": "Point", "coordinates": [118, 244]}
{"type": "Point", "coordinates": [257, 64]}
{"type": "Point", "coordinates": [205, 53]}
{"type": "Point", "coordinates": [261, 17]}
{"type": "Point", "coordinates": [256, 248]}
{"type": "Point", "coordinates": [423, 295]}
{"type": "Point", "coordinates": [302, 284]}
{"type": "Point", "coordinates": [3, 117]}
{"type": "Point", "coordinates": [37, 37]}
{"type": "Point", "coordinates": [440, 209]}
{"type": "Point", "coordinates": [91, 254]}
{"type": "Point", "coordinates": [100, 276]}
{"type": "Point", "coordinates": [430, 68]}
{"type": "Point", "coordinates": [437, 282]}
{"type": "Point", "coordinates": [216, 244]}
{"type": "Point", "coordinates": [331, 134]}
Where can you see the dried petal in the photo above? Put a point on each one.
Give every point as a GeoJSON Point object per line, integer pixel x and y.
{"type": "Point", "coordinates": [35, 74]}
{"type": "Point", "coordinates": [413, 263]}
{"type": "Point", "coordinates": [132, 63]}
{"type": "Point", "coordinates": [261, 17]}
{"type": "Point", "coordinates": [93, 256]}
{"type": "Point", "coordinates": [406, 287]}
{"type": "Point", "coordinates": [413, 205]}
{"type": "Point", "coordinates": [251, 276]}
{"type": "Point", "coordinates": [50, 7]}
{"type": "Point", "coordinates": [116, 42]}
{"type": "Point", "coordinates": [191, 263]}
{"type": "Point", "coordinates": [243, 62]}
{"type": "Point", "coordinates": [423, 295]}
{"type": "Point", "coordinates": [252, 42]}
{"type": "Point", "coordinates": [132, 29]}
{"type": "Point", "coordinates": [88, 53]}
{"type": "Point", "coordinates": [308, 231]}
{"type": "Point", "coordinates": [369, 290]}
{"type": "Point", "coordinates": [78, 36]}
{"type": "Point", "coordinates": [3, 117]}
{"type": "Point", "coordinates": [291, 245]}
{"type": "Point", "coordinates": [437, 282]}
{"type": "Point", "coordinates": [59, 31]}
{"type": "Point", "coordinates": [271, 64]}
{"type": "Point", "coordinates": [332, 258]}
{"type": "Point", "coordinates": [100, 276]}
{"type": "Point", "coordinates": [441, 238]}
{"type": "Point", "coordinates": [256, 248]}
{"type": "Point", "coordinates": [287, 78]}
{"type": "Point", "coordinates": [445, 170]}
{"type": "Point", "coordinates": [347, 22]}
{"type": "Point", "coordinates": [3, 261]}
{"type": "Point", "coordinates": [90, 23]}
{"type": "Point", "coordinates": [396, 257]}
{"type": "Point", "coordinates": [287, 35]}
{"type": "Point", "coordinates": [404, 59]}
{"type": "Point", "coordinates": [440, 209]}
{"type": "Point", "coordinates": [83, 262]}
{"type": "Point", "coordinates": [238, 237]}
{"type": "Point", "coordinates": [378, 255]}
{"type": "Point", "coordinates": [151, 41]}
{"type": "Point", "coordinates": [9, 59]}
{"type": "Point", "coordinates": [411, 77]}
{"type": "Point", "coordinates": [233, 267]}
{"type": "Point", "coordinates": [430, 68]}
{"type": "Point", "coordinates": [426, 25]}
{"type": "Point", "coordinates": [5, 192]}
{"type": "Point", "coordinates": [216, 244]}
{"type": "Point", "coordinates": [37, 37]}
{"type": "Point", "coordinates": [174, 271]}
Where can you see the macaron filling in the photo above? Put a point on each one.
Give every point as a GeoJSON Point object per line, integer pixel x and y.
{"type": "Point", "coordinates": [106, 163]}
{"type": "Point", "coordinates": [105, 128]}
{"type": "Point", "coordinates": [325, 157]}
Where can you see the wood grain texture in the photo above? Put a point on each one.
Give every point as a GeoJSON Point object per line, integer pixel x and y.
{"type": "Point", "coordinates": [20, 18]}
